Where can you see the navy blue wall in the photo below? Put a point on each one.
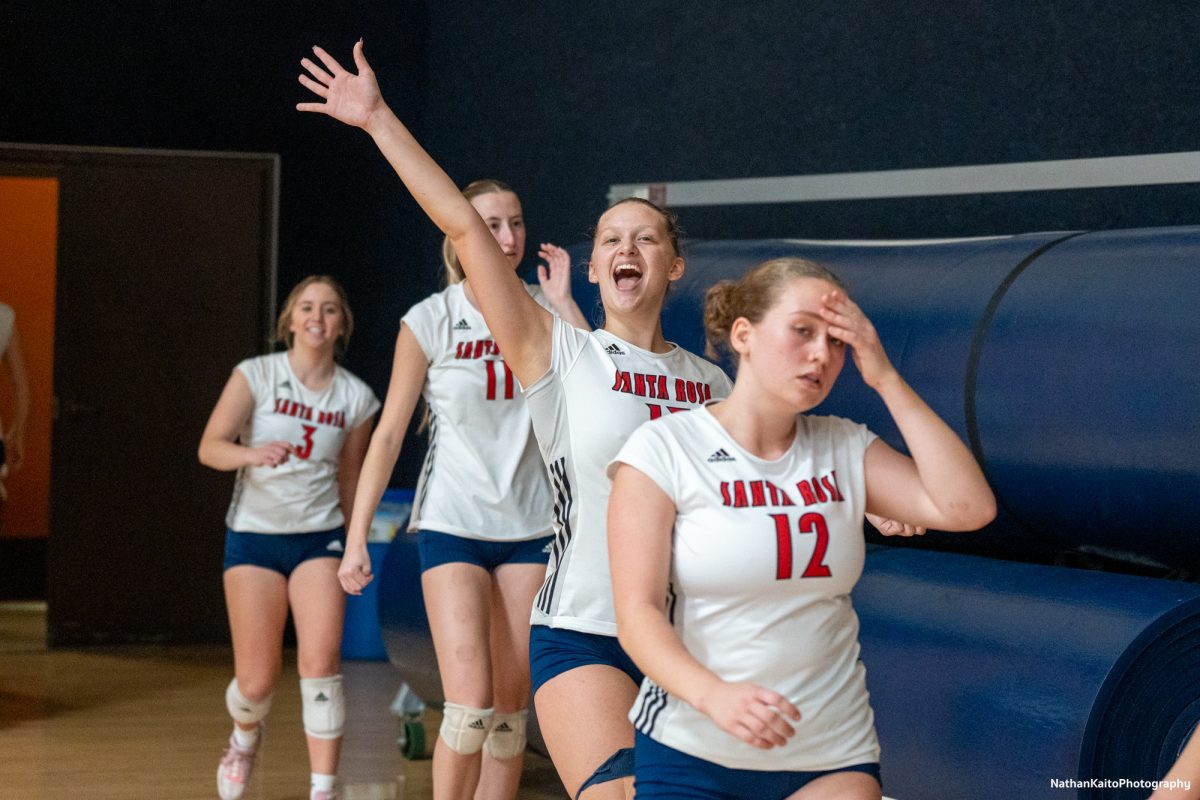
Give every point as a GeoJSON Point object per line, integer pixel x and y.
{"type": "Point", "coordinates": [566, 98]}
{"type": "Point", "coordinates": [562, 98]}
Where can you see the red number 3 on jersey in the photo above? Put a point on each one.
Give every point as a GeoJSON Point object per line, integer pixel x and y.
{"type": "Point", "coordinates": [304, 450]}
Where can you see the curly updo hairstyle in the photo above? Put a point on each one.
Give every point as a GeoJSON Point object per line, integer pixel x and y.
{"type": "Point", "coordinates": [751, 296]}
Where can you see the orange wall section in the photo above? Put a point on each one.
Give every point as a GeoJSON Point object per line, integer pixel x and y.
{"type": "Point", "coordinates": [28, 260]}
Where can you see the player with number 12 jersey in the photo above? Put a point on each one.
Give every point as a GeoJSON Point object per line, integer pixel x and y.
{"type": "Point", "coordinates": [765, 554]}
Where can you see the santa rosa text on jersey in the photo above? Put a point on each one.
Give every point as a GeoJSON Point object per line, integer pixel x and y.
{"type": "Point", "coordinates": [480, 348]}
{"type": "Point", "coordinates": [763, 493]}
{"type": "Point", "coordinates": [291, 408]}
{"type": "Point", "coordinates": [656, 386]}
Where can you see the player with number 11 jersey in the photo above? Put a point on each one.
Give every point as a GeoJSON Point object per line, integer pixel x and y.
{"type": "Point", "coordinates": [476, 417]}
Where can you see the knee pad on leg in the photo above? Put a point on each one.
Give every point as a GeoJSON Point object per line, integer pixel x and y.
{"type": "Point", "coordinates": [464, 729]}
{"type": "Point", "coordinates": [507, 738]}
{"type": "Point", "coordinates": [241, 709]}
{"type": "Point", "coordinates": [324, 706]}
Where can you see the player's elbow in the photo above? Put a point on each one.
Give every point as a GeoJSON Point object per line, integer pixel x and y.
{"type": "Point", "coordinates": [973, 514]}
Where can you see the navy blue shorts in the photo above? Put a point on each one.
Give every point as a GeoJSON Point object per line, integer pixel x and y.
{"type": "Point", "coordinates": [663, 773]}
{"type": "Point", "coordinates": [553, 651]}
{"type": "Point", "coordinates": [436, 548]}
{"type": "Point", "coordinates": [282, 552]}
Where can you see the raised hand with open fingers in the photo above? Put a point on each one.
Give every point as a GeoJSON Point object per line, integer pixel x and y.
{"type": "Point", "coordinates": [848, 323]}
{"type": "Point", "coordinates": [348, 98]}
{"type": "Point", "coordinates": [555, 275]}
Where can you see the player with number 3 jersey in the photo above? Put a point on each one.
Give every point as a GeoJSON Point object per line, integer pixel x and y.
{"type": "Point", "coordinates": [295, 426]}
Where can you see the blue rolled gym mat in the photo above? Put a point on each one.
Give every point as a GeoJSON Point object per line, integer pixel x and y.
{"type": "Point", "coordinates": [991, 678]}
{"type": "Point", "coordinates": [1070, 363]}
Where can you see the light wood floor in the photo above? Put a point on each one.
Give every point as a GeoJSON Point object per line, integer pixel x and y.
{"type": "Point", "coordinates": [150, 722]}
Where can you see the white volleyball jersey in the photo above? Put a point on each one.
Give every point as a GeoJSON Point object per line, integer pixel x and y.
{"type": "Point", "coordinates": [483, 477]}
{"type": "Point", "coordinates": [300, 495]}
{"type": "Point", "coordinates": [598, 390]}
{"type": "Point", "coordinates": [763, 558]}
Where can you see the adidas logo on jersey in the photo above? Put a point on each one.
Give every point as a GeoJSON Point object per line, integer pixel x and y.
{"type": "Point", "coordinates": [285, 385]}
{"type": "Point", "coordinates": [335, 546]}
{"type": "Point", "coordinates": [321, 698]}
{"type": "Point", "coordinates": [720, 455]}
{"type": "Point", "coordinates": [477, 724]}
{"type": "Point", "coordinates": [503, 727]}
{"type": "Point", "coordinates": [462, 325]}
{"type": "Point", "coordinates": [614, 350]}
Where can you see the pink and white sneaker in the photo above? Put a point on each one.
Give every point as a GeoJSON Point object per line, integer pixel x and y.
{"type": "Point", "coordinates": [233, 773]}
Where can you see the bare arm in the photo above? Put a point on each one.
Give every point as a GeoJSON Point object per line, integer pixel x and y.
{"type": "Point", "coordinates": [555, 279]}
{"type": "Point", "coordinates": [409, 367]}
{"type": "Point", "coordinates": [1185, 770]}
{"type": "Point", "coordinates": [641, 518]}
{"type": "Point", "coordinates": [520, 326]}
{"type": "Point", "coordinates": [350, 462]}
{"type": "Point", "coordinates": [218, 446]}
{"type": "Point", "coordinates": [940, 486]}
{"type": "Point", "coordinates": [14, 437]}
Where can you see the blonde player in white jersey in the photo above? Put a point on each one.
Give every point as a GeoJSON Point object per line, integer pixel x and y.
{"type": "Point", "coordinates": [482, 509]}
{"type": "Point", "coordinates": [585, 392]}
{"type": "Point", "coordinates": [295, 426]}
{"type": "Point", "coordinates": [735, 534]}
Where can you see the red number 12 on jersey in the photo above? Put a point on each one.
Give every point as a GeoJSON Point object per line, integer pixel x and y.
{"type": "Point", "coordinates": [811, 522]}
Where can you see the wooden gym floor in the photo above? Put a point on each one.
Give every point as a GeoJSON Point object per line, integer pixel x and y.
{"type": "Point", "coordinates": [150, 722]}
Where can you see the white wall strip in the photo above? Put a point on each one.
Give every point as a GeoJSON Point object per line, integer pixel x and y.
{"type": "Point", "coordinates": [1028, 176]}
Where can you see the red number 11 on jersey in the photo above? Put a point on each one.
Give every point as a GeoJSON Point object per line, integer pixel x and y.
{"type": "Point", "coordinates": [509, 380]}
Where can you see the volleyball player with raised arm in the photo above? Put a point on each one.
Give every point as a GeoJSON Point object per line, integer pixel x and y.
{"type": "Point", "coordinates": [586, 392]}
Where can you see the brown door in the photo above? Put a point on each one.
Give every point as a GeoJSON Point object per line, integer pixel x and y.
{"type": "Point", "coordinates": [165, 280]}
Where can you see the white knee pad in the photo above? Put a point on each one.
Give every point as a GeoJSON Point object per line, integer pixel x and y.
{"type": "Point", "coordinates": [464, 729]}
{"type": "Point", "coordinates": [507, 739]}
{"type": "Point", "coordinates": [324, 706]}
{"type": "Point", "coordinates": [241, 709]}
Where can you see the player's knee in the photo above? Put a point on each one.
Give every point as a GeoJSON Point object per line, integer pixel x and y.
{"type": "Point", "coordinates": [243, 709]}
{"type": "Point", "coordinates": [324, 706]}
{"type": "Point", "coordinates": [507, 737]}
{"type": "Point", "coordinates": [464, 729]}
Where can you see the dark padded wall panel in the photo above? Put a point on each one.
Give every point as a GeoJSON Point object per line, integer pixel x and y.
{"type": "Point", "coordinates": [564, 99]}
